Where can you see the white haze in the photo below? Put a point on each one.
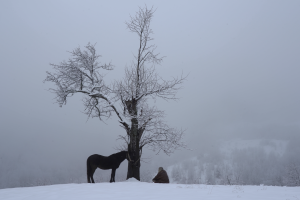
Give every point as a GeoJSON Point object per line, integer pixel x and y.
{"type": "Point", "coordinates": [241, 57]}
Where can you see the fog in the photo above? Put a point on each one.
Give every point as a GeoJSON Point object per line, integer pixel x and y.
{"type": "Point", "coordinates": [241, 57]}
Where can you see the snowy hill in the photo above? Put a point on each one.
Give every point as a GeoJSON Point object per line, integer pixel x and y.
{"type": "Point", "coordinates": [135, 190]}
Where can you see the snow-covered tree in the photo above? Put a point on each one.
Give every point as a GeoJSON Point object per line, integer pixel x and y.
{"type": "Point", "coordinates": [293, 175]}
{"type": "Point", "coordinates": [129, 98]}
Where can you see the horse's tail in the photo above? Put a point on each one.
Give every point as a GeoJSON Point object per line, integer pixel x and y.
{"type": "Point", "coordinates": [88, 170]}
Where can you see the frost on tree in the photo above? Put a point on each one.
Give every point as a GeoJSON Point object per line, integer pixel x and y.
{"type": "Point", "coordinates": [129, 98]}
{"type": "Point", "coordinates": [293, 175]}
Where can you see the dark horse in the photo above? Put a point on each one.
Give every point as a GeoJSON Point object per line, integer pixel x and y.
{"type": "Point", "coordinates": [111, 162]}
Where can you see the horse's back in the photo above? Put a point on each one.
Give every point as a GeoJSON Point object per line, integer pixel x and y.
{"type": "Point", "coordinates": [96, 160]}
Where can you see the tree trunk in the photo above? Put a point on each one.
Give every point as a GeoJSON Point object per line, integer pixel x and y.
{"type": "Point", "coordinates": [133, 171]}
{"type": "Point", "coordinates": [133, 147]}
{"type": "Point", "coordinates": [134, 167]}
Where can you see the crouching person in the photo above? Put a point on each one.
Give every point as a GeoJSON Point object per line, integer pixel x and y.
{"type": "Point", "coordinates": [161, 177]}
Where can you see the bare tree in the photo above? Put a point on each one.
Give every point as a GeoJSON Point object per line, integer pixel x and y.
{"type": "Point", "coordinates": [128, 98]}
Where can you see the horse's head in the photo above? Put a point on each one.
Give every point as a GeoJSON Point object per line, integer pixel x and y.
{"type": "Point", "coordinates": [132, 158]}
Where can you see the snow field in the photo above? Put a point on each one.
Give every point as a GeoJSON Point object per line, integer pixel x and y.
{"type": "Point", "coordinates": [135, 190]}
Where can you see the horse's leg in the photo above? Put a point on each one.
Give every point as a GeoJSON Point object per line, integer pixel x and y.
{"type": "Point", "coordinates": [92, 173]}
{"type": "Point", "coordinates": [113, 173]}
{"type": "Point", "coordinates": [88, 178]}
{"type": "Point", "coordinates": [88, 172]}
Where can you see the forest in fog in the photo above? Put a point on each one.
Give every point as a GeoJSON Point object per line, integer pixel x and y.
{"type": "Point", "coordinates": [237, 162]}
{"type": "Point", "coordinates": [269, 163]}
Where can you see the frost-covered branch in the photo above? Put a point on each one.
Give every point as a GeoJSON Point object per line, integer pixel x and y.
{"type": "Point", "coordinates": [154, 133]}
{"type": "Point", "coordinates": [140, 82]}
{"type": "Point", "coordinates": [148, 84]}
{"type": "Point", "coordinates": [80, 74]}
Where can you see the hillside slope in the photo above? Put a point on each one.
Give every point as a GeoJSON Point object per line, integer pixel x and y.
{"type": "Point", "coordinates": [135, 190]}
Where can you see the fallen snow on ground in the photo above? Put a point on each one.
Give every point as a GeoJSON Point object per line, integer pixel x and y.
{"type": "Point", "coordinates": [135, 190]}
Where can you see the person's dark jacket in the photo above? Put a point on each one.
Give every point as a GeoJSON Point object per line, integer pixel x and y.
{"type": "Point", "coordinates": [161, 177]}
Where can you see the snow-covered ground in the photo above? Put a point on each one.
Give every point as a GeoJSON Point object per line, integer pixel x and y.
{"type": "Point", "coordinates": [135, 190]}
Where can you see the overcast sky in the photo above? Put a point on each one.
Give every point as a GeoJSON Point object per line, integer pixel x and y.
{"type": "Point", "coordinates": [242, 59]}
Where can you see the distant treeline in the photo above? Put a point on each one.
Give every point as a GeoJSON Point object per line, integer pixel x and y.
{"type": "Point", "coordinates": [249, 166]}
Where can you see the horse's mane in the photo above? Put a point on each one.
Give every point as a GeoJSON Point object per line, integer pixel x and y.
{"type": "Point", "coordinates": [116, 154]}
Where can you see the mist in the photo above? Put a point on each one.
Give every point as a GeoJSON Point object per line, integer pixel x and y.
{"type": "Point", "coordinates": [242, 61]}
